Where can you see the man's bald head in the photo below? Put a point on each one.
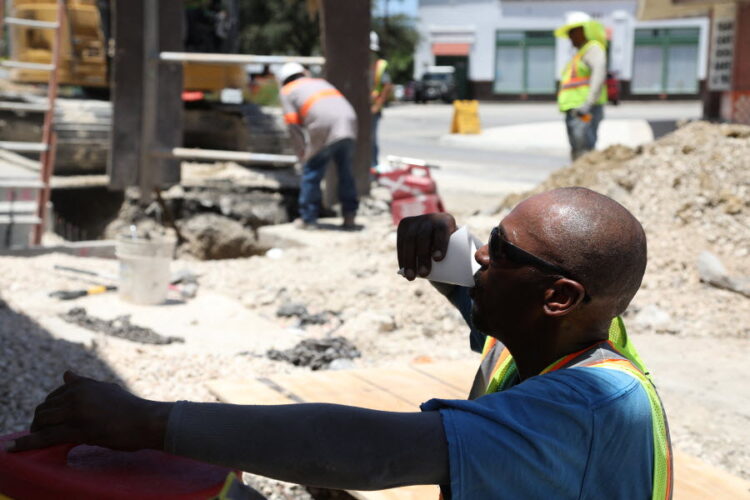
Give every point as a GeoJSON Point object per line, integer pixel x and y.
{"type": "Point", "coordinates": [593, 237]}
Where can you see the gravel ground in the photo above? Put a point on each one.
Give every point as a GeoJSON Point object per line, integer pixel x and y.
{"type": "Point", "coordinates": [691, 190]}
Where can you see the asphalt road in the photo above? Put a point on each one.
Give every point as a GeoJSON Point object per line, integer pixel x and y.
{"type": "Point", "coordinates": [413, 130]}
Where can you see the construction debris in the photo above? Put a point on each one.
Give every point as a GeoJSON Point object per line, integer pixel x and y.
{"type": "Point", "coordinates": [298, 310]}
{"type": "Point", "coordinates": [317, 354]}
{"type": "Point", "coordinates": [713, 272]}
{"type": "Point", "coordinates": [119, 327]}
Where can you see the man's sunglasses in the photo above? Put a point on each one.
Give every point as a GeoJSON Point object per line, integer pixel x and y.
{"type": "Point", "coordinates": [502, 249]}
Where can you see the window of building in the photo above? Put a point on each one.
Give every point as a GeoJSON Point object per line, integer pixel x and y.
{"type": "Point", "coordinates": [665, 61]}
{"type": "Point", "coordinates": [525, 62]}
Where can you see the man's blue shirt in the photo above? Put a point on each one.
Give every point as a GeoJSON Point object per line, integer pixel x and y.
{"type": "Point", "coordinates": [578, 433]}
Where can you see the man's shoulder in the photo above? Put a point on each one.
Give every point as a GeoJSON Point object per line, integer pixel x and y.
{"type": "Point", "coordinates": [595, 387]}
{"type": "Point", "coordinates": [594, 52]}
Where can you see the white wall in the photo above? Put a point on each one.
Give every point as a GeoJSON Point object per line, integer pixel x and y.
{"type": "Point", "coordinates": [477, 21]}
{"type": "Point", "coordinates": [474, 21]}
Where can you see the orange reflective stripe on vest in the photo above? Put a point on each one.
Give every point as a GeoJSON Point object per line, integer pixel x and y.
{"type": "Point", "coordinates": [292, 119]}
{"type": "Point", "coordinates": [575, 82]}
{"type": "Point", "coordinates": [317, 96]}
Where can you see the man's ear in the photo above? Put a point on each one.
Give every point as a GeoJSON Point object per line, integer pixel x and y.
{"type": "Point", "coordinates": [562, 297]}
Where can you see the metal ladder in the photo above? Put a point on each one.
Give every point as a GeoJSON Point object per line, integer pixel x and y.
{"type": "Point", "coordinates": [46, 148]}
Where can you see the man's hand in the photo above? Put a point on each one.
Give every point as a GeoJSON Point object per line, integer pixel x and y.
{"type": "Point", "coordinates": [421, 239]}
{"type": "Point", "coordinates": [84, 410]}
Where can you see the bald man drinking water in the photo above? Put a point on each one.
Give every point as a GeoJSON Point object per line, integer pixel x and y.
{"type": "Point", "coordinates": [562, 406]}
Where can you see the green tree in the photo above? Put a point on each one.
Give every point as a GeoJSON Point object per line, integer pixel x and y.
{"type": "Point", "coordinates": [398, 41]}
{"type": "Point", "coordinates": [284, 27]}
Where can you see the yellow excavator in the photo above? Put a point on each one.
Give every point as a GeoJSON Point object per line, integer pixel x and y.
{"type": "Point", "coordinates": [82, 119]}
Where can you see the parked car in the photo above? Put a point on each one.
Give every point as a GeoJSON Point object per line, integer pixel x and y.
{"type": "Point", "coordinates": [438, 82]}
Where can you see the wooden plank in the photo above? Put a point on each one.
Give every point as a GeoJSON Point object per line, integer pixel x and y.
{"type": "Point", "coordinates": [457, 374]}
{"type": "Point", "coordinates": [247, 392]}
{"type": "Point", "coordinates": [426, 492]}
{"type": "Point", "coordinates": [342, 387]}
{"type": "Point", "coordinates": [402, 389]}
{"type": "Point", "coordinates": [697, 480]}
{"type": "Point", "coordinates": [409, 384]}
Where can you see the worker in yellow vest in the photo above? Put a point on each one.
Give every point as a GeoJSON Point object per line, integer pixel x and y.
{"type": "Point", "coordinates": [583, 92]}
{"type": "Point", "coordinates": [380, 91]}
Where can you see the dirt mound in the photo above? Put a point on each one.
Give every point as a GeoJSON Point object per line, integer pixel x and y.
{"type": "Point", "coordinates": [212, 236]}
{"type": "Point", "coordinates": [691, 192]}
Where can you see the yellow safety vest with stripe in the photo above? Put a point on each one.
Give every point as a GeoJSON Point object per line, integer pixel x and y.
{"type": "Point", "coordinates": [378, 71]}
{"type": "Point", "coordinates": [575, 81]}
{"type": "Point", "coordinates": [499, 371]}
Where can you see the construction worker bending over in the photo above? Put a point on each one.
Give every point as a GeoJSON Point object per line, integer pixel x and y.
{"type": "Point", "coordinates": [323, 126]}
{"type": "Point", "coordinates": [561, 406]}
{"type": "Point", "coordinates": [583, 92]}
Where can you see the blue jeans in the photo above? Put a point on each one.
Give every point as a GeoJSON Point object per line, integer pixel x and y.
{"type": "Point", "coordinates": [582, 135]}
{"type": "Point", "coordinates": [312, 173]}
{"type": "Point", "coordinates": [375, 150]}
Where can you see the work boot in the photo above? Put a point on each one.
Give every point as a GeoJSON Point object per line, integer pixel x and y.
{"type": "Point", "coordinates": [348, 223]}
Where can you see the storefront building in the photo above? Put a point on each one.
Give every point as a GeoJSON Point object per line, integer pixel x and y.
{"type": "Point", "coordinates": [507, 50]}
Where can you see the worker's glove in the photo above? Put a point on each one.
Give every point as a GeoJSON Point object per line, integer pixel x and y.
{"type": "Point", "coordinates": [582, 110]}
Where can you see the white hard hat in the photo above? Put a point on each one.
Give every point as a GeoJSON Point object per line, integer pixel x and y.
{"type": "Point", "coordinates": [289, 69]}
{"type": "Point", "coordinates": [374, 41]}
{"type": "Point", "coordinates": [573, 19]}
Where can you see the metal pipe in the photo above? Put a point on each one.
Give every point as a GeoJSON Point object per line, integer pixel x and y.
{"type": "Point", "coordinates": [24, 147]}
{"type": "Point", "coordinates": [220, 155]}
{"type": "Point", "coordinates": [23, 106]}
{"type": "Point", "coordinates": [27, 65]}
{"type": "Point", "coordinates": [30, 23]}
{"type": "Point", "coordinates": [197, 57]}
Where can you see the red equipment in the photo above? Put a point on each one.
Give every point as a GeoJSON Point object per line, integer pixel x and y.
{"type": "Point", "coordinates": [92, 473]}
{"type": "Point", "coordinates": [413, 190]}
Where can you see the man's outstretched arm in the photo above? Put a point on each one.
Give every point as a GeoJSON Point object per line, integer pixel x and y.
{"type": "Point", "coordinates": [324, 445]}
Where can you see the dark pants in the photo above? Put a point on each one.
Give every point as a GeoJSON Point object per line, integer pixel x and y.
{"type": "Point", "coordinates": [375, 150]}
{"type": "Point", "coordinates": [581, 134]}
{"type": "Point", "coordinates": [341, 152]}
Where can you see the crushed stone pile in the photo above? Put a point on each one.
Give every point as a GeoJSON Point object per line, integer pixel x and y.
{"type": "Point", "coordinates": [120, 327]}
{"type": "Point", "coordinates": [691, 192]}
{"type": "Point", "coordinates": [317, 354]}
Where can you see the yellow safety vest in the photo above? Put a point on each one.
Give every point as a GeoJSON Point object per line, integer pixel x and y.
{"type": "Point", "coordinates": [625, 359]}
{"type": "Point", "coordinates": [377, 87]}
{"type": "Point", "coordinates": [575, 81]}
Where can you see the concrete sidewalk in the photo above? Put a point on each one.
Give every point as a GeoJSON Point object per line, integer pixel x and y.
{"type": "Point", "coordinates": [550, 137]}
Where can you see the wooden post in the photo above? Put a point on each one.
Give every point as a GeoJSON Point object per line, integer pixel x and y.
{"type": "Point", "coordinates": [169, 92]}
{"type": "Point", "coordinates": [146, 95]}
{"type": "Point", "coordinates": [345, 27]}
{"type": "Point", "coordinates": [127, 93]}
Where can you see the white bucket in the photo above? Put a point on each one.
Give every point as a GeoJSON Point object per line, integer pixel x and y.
{"type": "Point", "coordinates": [144, 268]}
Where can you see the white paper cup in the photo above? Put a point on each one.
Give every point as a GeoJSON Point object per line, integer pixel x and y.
{"type": "Point", "coordinates": [458, 266]}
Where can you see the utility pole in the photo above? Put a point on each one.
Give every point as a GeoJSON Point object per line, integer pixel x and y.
{"type": "Point", "coordinates": [346, 35]}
